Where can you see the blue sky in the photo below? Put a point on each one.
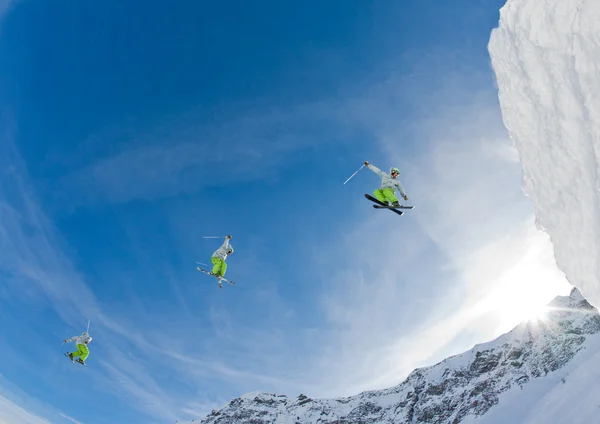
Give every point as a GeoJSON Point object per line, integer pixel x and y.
{"type": "Point", "coordinates": [129, 131]}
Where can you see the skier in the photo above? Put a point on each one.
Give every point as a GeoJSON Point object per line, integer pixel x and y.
{"type": "Point", "coordinates": [81, 343]}
{"type": "Point", "coordinates": [389, 183]}
{"type": "Point", "coordinates": [218, 259]}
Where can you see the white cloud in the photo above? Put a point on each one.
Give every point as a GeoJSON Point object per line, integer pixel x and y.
{"type": "Point", "coordinates": [182, 156]}
{"type": "Point", "coordinates": [71, 419]}
{"type": "Point", "coordinates": [14, 414]}
{"type": "Point", "coordinates": [16, 407]}
{"type": "Point", "coordinates": [133, 378]}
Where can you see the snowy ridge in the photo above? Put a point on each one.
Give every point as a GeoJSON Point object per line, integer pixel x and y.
{"type": "Point", "coordinates": [546, 56]}
{"type": "Point", "coordinates": [465, 385]}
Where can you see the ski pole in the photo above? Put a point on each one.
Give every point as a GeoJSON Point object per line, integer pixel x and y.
{"type": "Point", "coordinates": [351, 176]}
{"type": "Point", "coordinates": [212, 237]}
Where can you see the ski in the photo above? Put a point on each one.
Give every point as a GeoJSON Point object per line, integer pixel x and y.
{"type": "Point", "coordinates": [222, 279]}
{"type": "Point", "coordinates": [380, 205]}
{"type": "Point", "coordinates": [393, 207]}
{"type": "Point", "coordinates": [383, 205]}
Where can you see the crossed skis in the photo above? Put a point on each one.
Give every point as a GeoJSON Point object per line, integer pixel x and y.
{"type": "Point", "coordinates": [212, 275]}
{"type": "Point", "coordinates": [381, 205]}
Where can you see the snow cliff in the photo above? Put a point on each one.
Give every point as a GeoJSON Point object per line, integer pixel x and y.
{"type": "Point", "coordinates": [546, 56]}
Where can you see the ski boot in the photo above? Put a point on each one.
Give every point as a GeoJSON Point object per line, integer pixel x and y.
{"type": "Point", "coordinates": [81, 361]}
{"type": "Point", "coordinates": [70, 355]}
{"type": "Point", "coordinates": [395, 204]}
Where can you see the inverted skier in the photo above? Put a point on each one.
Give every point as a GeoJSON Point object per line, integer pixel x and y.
{"type": "Point", "coordinates": [81, 343]}
{"type": "Point", "coordinates": [219, 257]}
{"type": "Point", "coordinates": [389, 183]}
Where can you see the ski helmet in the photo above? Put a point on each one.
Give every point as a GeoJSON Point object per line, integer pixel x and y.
{"type": "Point", "coordinates": [394, 170]}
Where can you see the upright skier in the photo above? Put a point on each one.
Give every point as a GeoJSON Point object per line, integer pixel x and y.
{"type": "Point", "coordinates": [389, 183]}
{"type": "Point", "coordinates": [218, 259]}
{"type": "Point", "coordinates": [81, 343]}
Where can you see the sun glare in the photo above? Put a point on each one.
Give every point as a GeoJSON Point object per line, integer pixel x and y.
{"type": "Point", "coordinates": [517, 313]}
{"type": "Point", "coordinates": [537, 313]}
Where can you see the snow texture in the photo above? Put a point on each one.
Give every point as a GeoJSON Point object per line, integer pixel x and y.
{"type": "Point", "coordinates": [459, 388]}
{"type": "Point", "coordinates": [546, 56]}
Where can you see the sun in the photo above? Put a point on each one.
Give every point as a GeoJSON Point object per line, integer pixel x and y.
{"type": "Point", "coordinates": [536, 313]}
{"type": "Point", "coordinates": [511, 312]}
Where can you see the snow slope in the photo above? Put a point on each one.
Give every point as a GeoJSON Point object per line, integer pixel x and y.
{"type": "Point", "coordinates": [569, 395]}
{"type": "Point", "coordinates": [546, 56]}
{"type": "Point", "coordinates": [460, 387]}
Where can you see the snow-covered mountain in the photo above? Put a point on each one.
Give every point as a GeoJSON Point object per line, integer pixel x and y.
{"type": "Point", "coordinates": [462, 387]}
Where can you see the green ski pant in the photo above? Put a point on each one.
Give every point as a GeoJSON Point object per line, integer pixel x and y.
{"type": "Point", "coordinates": [82, 351]}
{"type": "Point", "coordinates": [385, 194]}
{"type": "Point", "coordinates": [219, 266]}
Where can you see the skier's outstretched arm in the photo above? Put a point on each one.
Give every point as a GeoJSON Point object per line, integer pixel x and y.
{"type": "Point", "coordinates": [69, 340]}
{"type": "Point", "coordinates": [401, 190]}
{"type": "Point", "coordinates": [375, 169]}
{"type": "Point", "coordinates": [226, 242]}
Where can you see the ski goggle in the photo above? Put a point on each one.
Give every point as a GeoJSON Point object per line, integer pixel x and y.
{"type": "Point", "coordinates": [395, 171]}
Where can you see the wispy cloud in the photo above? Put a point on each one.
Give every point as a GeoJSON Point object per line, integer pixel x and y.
{"type": "Point", "coordinates": [14, 414]}
{"type": "Point", "coordinates": [134, 379]}
{"type": "Point", "coordinates": [16, 407]}
{"type": "Point", "coordinates": [181, 156]}
{"type": "Point", "coordinates": [71, 419]}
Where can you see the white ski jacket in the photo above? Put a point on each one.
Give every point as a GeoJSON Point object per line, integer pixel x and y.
{"type": "Point", "coordinates": [221, 252]}
{"type": "Point", "coordinates": [83, 339]}
{"type": "Point", "coordinates": [387, 181]}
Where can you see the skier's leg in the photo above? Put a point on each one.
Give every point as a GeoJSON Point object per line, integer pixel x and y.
{"type": "Point", "coordinates": [379, 195]}
{"type": "Point", "coordinates": [388, 193]}
{"type": "Point", "coordinates": [223, 268]}
{"type": "Point", "coordinates": [78, 352]}
{"type": "Point", "coordinates": [216, 265]}
{"type": "Point", "coordinates": [85, 352]}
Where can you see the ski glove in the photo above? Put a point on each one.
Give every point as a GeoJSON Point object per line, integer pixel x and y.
{"type": "Point", "coordinates": [367, 163]}
{"type": "Point", "coordinates": [405, 197]}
